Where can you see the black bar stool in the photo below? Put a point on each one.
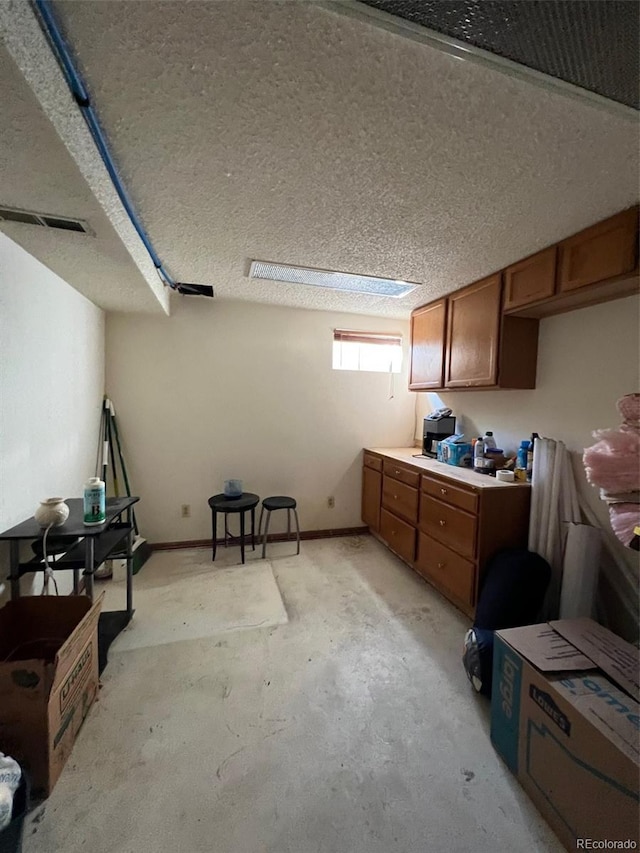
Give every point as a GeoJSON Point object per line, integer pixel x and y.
{"type": "Point", "coordinates": [278, 502]}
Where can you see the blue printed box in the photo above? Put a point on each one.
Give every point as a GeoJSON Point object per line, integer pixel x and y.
{"type": "Point", "coordinates": [566, 721]}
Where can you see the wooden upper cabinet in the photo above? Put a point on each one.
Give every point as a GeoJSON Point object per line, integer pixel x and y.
{"type": "Point", "coordinates": [531, 279]}
{"type": "Point", "coordinates": [601, 252]}
{"type": "Point", "coordinates": [473, 329]}
{"type": "Point", "coordinates": [428, 327]}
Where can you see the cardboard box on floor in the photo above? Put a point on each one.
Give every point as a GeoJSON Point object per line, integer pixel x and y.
{"type": "Point", "coordinates": [565, 719]}
{"type": "Point", "coordinates": [48, 680]}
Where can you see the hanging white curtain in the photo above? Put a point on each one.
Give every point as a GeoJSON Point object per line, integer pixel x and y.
{"type": "Point", "coordinates": [554, 503]}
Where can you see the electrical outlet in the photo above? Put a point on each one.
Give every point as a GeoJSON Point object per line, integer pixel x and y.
{"type": "Point", "coordinates": [186, 510]}
{"type": "Point", "coordinates": [331, 502]}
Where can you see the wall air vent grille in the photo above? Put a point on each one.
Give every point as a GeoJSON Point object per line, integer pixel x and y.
{"type": "Point", "coordinates": [44, 220]}
{"type": "Point", "coordinates": [346, 282]}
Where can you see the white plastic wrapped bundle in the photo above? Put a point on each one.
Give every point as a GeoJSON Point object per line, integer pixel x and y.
{"type": "Point", "coordinates": [580, 571]}
{"type": "Point", "coordinates": [554, 502]}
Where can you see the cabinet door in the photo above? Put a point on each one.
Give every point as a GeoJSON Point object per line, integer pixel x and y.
{"type": "Point", "coordinates": [371, 497]}
{"type": "Point", "coordinates": [472, 334]}
{"type": "Point", "coordinates": [428, 326]}
{"type": "Point", "coordinates": [530, 280]}
{"type": "Point", "coordinates": [603, 251]}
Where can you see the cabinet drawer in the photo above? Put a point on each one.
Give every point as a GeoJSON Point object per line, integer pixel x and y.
{"type": "Point", "coordinates": [449, 525]}
{"type": "Point", "coordinates": [401, 472]}
{"type": "Point", "coordinates": [399, 536]}
{"type": "Point", "coordinates": [400, 499]}
{"type": "Point", "coordinates": [372, 461]}
{"type": "Point", "coordinates": [454, 495]}
{"type": "Point", "coordinates": [448, 570]}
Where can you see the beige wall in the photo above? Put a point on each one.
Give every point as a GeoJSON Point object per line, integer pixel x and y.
{"type": "Point", "coordinates": [230, 389]}
{"type": "Point", "coordinates": [587, 359]}
{"type": "Point", "coordinates": [51, 388]}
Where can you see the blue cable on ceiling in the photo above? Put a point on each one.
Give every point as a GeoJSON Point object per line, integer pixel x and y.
{"type": "Point", "coordinates": [81, 97]}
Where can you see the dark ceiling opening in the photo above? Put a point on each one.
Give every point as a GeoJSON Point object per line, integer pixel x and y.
{"type": "Point", "coordinates": [590, 43]}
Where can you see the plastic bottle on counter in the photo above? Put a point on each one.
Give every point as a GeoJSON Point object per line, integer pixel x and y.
{"type": "Point", "coordinates": [520, 470]}
{"type": "Point", "coordinates": [489, 440]}
{"type": "Point", "coordinates": [478, 455]}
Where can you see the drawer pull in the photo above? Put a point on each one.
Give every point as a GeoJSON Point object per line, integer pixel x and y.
{"type": "Point", "coordinates": [396, 471]}
{"type": "Point", "coordinates": [441, 565]}
{"type": "Point", "coordinates": [443, 491]}
{"type": "Point", "coordinates": [395, 497]}
{"type": "Point", "coordinates": [442, 522]}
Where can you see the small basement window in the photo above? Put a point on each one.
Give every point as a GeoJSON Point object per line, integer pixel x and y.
{"type": "Point", "coordinates": [367, 351]}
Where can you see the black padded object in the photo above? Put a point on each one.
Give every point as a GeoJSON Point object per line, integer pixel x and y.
{"type": "Point", "coordinates": [512, 595]}
{"type": "Point", "coordinates": [513, 590]}
{"type": "Point", "coordinates": [279, 502]}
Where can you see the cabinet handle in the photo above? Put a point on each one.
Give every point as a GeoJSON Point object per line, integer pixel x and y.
{"type": "Point", "coordinates": [441, 565]}
{"type": "Point", "coordinates": [397, 472]}
{"type": "Point", "coordinates": [443, 491]}
{"type": "Point", "coordinates": [442, 522]}
{"type": "Point", "coordinates": [395, 497]}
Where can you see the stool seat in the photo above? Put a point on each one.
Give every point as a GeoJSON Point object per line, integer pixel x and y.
{"type": "Point", "coordinates": [279, 502]}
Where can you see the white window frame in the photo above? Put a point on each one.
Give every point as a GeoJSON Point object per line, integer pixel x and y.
{"type": "Point", "coordinates": [354, 350]}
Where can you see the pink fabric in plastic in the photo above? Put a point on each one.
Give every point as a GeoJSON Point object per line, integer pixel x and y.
{"type": "Point", "coordinates": [613, 464]}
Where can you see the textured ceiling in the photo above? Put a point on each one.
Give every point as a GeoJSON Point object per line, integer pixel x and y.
{"type": "Point", "coordinates": [39, 173]}
{"type": "Point", "coordinates": [591, 44]}
{"type": "Point", "coordinates": [285, 132]}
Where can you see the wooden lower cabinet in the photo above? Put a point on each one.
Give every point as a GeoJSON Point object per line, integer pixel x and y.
{"type": "Point", "coordinates": [371, 497]}
{"type": "Point", "coordinates": [399, 535]}
{"type": "Point", "coordinates": [447, 570]}
{"type": "Point", "coordinates": [446, 527]}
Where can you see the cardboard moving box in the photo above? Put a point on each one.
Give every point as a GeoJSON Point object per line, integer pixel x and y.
{"type": "Point", "coordinates": [566, 721]}
{"type": "Point", "coordinates": [48, 680]}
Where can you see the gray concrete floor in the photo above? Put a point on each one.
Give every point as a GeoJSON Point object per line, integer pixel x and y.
{"type": "Point", "coordinates": [351, 728]}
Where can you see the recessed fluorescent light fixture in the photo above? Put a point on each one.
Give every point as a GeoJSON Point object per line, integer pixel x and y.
{"type": "Point", "coordinates": [347, 282]}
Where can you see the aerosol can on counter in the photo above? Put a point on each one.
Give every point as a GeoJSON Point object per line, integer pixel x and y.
{"type": "Point", "coordinates": [532, 442]}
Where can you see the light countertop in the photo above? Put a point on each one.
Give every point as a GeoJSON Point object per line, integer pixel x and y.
{"type": "Point", "coordinates": [453, 472]}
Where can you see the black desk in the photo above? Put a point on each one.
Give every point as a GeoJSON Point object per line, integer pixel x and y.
{"type": "Point", "coordinates": [94, 545]}
{"type": "Point", "coordinates": [221, 503]}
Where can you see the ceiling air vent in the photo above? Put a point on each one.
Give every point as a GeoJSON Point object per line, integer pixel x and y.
{"type": "Point", "coordinates": [62, 223]}
{"type": "Point", "coordinates": [347, 282]}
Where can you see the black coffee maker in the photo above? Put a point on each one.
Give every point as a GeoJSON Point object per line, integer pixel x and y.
{"type": "Point", "coordinates": [436, 426]}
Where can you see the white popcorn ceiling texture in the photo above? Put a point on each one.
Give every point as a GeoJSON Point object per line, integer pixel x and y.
{"type": "Point", "coordinates": [286, 133]}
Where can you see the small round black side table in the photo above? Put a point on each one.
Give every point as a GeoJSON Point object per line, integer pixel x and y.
{"type": "Point", "coordinates": [221, 503]}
